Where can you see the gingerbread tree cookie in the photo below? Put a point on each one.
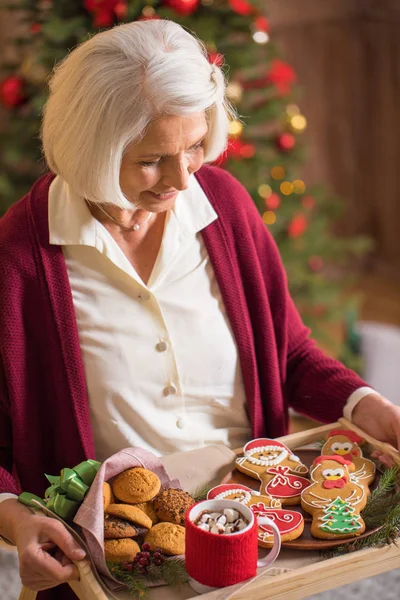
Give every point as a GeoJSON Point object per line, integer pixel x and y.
{"type": "Point", "coordinates": [347, 444]}
{"type": "Point", "coordinates": [333, 499]}
{"type": "Point", "coordinates": [279, 470]}
{"type": "Point", "coordinates": [289, 522]}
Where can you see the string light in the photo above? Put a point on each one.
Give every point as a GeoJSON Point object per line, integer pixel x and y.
{"type": "Point", "coordinates": [261, 37]}
{"type": "Point", "coordinates": [298, 123]}
{"type": "Point", "coordinates": [299, 187]}
{"type": "Point", "coordinates": [269, 217]}
{"type": "Point", "coordinates": [264, 190]}
{"type": "Point", "coordinates": [234, 91]}
{"type": "Point", "coordinates": [277, 173]}
{"type": "Point", "coordinates": [292, 110]}
{"type": "Point", "coordinates": [235, 128]}
{"type": "Point", "coordinates": [286, 188]}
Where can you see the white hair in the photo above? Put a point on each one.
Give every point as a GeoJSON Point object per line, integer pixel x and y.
{"type": "Point", "coordinates": [107, 91]}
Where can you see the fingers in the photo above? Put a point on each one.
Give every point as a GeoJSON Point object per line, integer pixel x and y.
{"type": "Point", "coordinates": [46, 554]}
{"type": "Point", "coordinates": [63, 539]}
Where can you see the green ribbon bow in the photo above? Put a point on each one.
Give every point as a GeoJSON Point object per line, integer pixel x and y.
{"type": "Point", "coordinates": [67, 491]}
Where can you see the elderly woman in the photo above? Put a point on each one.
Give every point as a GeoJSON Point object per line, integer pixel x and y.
{"type": "Point", "coordinates": [143, 300]}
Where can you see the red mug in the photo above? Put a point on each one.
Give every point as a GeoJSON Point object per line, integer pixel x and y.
{"type": "Point", "coordinates": [215, 561]}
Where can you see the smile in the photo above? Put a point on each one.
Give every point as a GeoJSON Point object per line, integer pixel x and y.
{"type": "Point", "coordinates": [163, 196]}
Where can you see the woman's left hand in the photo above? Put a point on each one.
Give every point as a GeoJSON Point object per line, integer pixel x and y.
{"type": "Point", "coordinates": [381, 419]}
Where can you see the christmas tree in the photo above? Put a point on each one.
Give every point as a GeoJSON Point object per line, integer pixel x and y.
{"type": "Point", "coordinates": [264, 151]}
{"type": "Point", "coordinates": [339, 517]}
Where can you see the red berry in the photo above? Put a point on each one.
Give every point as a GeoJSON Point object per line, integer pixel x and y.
{"type": "Point", "coordinates": [146, 547]}
{"type": "Point", "coordinates": [157, 554]}
{"type": "Point", "coordinates": [143, 562]}
{"type": "Point", "coordinates": [145, 554]}
{"type": "Point", "coordinates": [158, 561]}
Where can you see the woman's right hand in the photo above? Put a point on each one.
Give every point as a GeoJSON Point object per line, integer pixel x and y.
{"type": "Point", "coordinates": [45, 549]}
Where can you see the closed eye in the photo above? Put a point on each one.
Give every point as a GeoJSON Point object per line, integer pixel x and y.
{"type": "Point", "coordinates": [156, 162]}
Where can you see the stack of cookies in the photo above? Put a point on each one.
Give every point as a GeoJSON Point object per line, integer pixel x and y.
{"type": "Point", "coordinates": [137, 511]}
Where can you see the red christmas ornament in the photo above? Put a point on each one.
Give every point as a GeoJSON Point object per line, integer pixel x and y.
{"type": "Point", "coordinates": [261, 24]}
{"type": "Point", "coordinates": [285, 142]}
{"type": "Point", "coordinates": [183, 7]}
{"type": "Point", "coordinates": [237, 149]}
{"type": "Point", "coordinates": [315, 263]}
{"type": "Point", "coordinates": [105, 11]}
{"type": "Point", "coordinates": [308, 202]}
{"type": "Point", "coordinates": [215, 58]}
{"type": "Point", "coordinates": [11, 91]}
{"type": "Point", "coordinates": [273, 201]}
{"type": "Point", "coordinates": [241, 7]}
{"type": "Point", "coordinates": [297, 226]}
{"type": "Point", "coordinates": [35, 28]}
{"type": "Point", "coordinates": [282, 76]}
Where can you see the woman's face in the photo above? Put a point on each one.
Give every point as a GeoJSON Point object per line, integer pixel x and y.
{"type": "Point", "coordinates": [158, 167]}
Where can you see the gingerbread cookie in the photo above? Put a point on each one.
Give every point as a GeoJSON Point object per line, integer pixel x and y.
{"type": "Point", "coordinates": [347, 444]}
{"type": "Point", "coordinates": [333, 499]}
{"type": "Point", "coordinates": [279, 470]}
{"type": "Point", "coordinates": [120, 551]}
{"type": "Point", "coordinates": [136, 485]}
{"type": "Point", "coordinates": [115, 528]}
{"type": "Point", "coordinates": [148, 509]}
{"type": "Point", "coordinates": [170, 538]}
{"type": "Point", "coordinates": [108, 496]}
{"type": "Point", "coordinates": [129, 513]}
{"type": "Point", "coordinates": [171, 505]}
{"type": "Point", "coordinates": [289, 522]}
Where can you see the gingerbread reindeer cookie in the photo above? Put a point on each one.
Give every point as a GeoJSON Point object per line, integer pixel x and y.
{"type": "Point", "coordinates": [333, 499]}
{"type": "Point", "coordinates": [347, 444]}
{"type": "Point", "coordinates": [279, 471]}
{"type": "Point", "coordinates": [289, 522]}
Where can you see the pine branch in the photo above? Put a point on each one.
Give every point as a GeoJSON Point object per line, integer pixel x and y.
{"type": "Point", "coordinates": [200, 493]}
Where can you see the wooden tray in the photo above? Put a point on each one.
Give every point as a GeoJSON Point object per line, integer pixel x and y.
{"type": "Point", "coordinates": [306, 541]}
{"type": "Point", "coordinates": [295, 582]}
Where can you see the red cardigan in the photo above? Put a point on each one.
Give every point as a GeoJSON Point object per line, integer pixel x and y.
{"type": "Point", "coordinates": [44, 413]}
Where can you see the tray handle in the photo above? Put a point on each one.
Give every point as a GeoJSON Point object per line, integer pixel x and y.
{"type": "Point", "coordinates": [383, 447]}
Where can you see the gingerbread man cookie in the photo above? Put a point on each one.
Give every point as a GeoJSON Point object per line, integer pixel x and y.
{"type": "Point", "coordinates": [333, 499]}
{"type": "Point", "coordinates": [347, 444]}
{"type": "Point", "coordinates": [289, 522]}
{"type": "Point", "coordinates": [279, 470]}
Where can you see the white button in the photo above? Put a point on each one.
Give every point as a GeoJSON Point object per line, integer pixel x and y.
{"type": "Point", "coordinates": [144, 296]}
{"type": "Point", "coordinates": [181, 423]}
{"type": "Point", "coordinates": [162, 346]}
{"type": "Point", "coordinates": [170, 389]}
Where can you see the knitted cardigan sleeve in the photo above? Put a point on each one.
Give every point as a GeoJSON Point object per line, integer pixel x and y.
{"type": "Point", "coordinates": [7, 482]}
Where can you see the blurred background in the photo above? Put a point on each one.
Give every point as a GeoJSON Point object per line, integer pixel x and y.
{"type": "Point", "coordinates": [317, 87]}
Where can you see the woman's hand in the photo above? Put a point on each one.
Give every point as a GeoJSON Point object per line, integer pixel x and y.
{"type": "Point", "coordinates": [381, 419]}
{"type": "Point", "coordinates": [45, 548]}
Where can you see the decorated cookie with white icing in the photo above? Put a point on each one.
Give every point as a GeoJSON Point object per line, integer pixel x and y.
{"type": "Point", "coordinates": [289, 522]}
{"type": "Point", "coordinates": [279, 470]}
{"type": "Point", "coordinates": [333, 499]}
{"type": "Point", "coordinates": [347, 444]}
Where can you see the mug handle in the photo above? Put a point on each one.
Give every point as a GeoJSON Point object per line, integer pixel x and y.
{"type": "Point", "coordinates": [276, 548]}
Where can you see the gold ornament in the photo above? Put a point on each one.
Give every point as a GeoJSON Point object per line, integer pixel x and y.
{"type": "Point", "coordinates": [299, 187]}
{"type": "Point", "coordinates": [148, 11]}
{"type": "Point", "coordinates": [286, 188]}
{"type": "Point", "coordinates": [277, 173]}
{"type": "Point", "coordinates": [235, 128]}
{"type": "Point", "coordinates": [269, 217]}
